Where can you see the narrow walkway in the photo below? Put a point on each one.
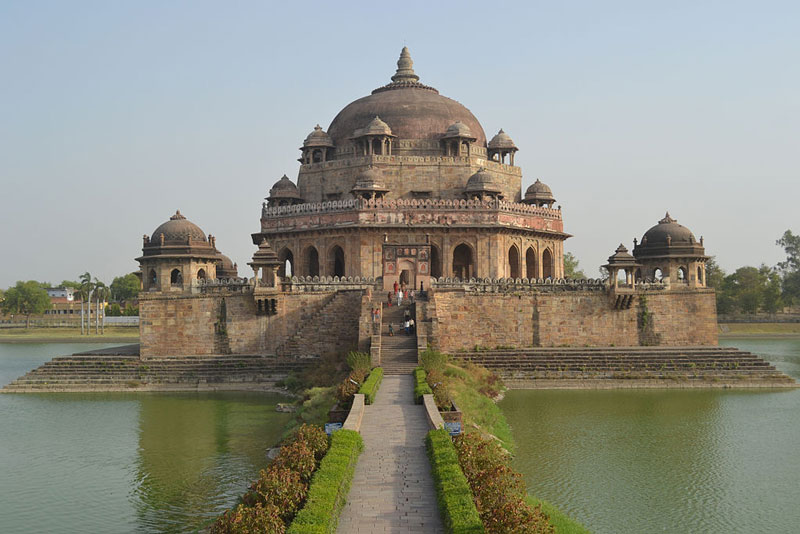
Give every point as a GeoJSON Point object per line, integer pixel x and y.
{"type": "Point", "coordinates": [392, 489]}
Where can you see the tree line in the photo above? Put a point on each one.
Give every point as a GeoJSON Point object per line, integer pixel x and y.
{"type": "Point", "coordinates": [30, 297]}
{"type": "Point", "coordinates": [759, 289]}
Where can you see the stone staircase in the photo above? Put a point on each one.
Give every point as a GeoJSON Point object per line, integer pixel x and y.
{"type": "Point", "coordinates": [700, 366]}
{"type": "Point", "coordinates": [105, 371]}
{"type": "Point", "coordinates": [398, 352]}
{"type": "Point", "coordinates": [337, 315]}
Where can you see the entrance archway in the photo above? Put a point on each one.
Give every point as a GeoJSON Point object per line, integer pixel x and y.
{"type": "Point", "coordinates": [436, 262]}
{"type": "Point", "coordinates": [407, 271]}
{"type": "Point", "coordinates": [530, 264]}
{"type": "Point", "coordinates": [287, 262]}
{"type": "Point", "coordinates": [547, 263]}
{"type": "Point", "coordinates": [336, 261]}
{"type": "Point", "coordinates": [513, 262]}
{"type": "Point", "coordinates": [462, 262]}
{"type": "Point", "coordinates": [311, 260]}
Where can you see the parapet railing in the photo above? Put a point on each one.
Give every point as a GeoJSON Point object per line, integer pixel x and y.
{"type": "Point", "coordinates": [223, 285]}
{"type": "Point", "coordinates": [326, 283]}
{"type": "Point", "coordinates": [506, 285]}
{"type": "Point", "coordinates": [352, 204]}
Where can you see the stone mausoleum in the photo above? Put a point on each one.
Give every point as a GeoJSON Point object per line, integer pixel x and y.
{"type": "Point", "coordinates": [404, 187]}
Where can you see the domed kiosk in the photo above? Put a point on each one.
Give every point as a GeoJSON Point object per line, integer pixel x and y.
{"type": "Point", "coordinates": [177, 254]}
{"type": "Point", "coordinates": [670, 253]}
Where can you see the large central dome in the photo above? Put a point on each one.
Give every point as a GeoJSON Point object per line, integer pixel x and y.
{"type": "Point", "coordinates": [412, 110]}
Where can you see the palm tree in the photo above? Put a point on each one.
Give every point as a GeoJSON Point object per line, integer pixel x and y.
{"type": "Point", "coordinates": [101, 294]}
{"type": "Point", "coordinates": [85, 292]}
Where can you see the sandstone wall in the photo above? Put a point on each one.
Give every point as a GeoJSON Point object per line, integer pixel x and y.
{"type": "Point", "coordinates": [196, 324]}
{"type": "Point", "coordinates": [461, 320]}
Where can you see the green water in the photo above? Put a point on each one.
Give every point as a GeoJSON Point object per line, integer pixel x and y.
{"type": "Point", "coordinates": [108, 463]}
{"type": "Point", "coordinates": [713, 461]}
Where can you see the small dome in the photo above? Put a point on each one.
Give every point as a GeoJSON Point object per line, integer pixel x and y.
{"type": "Point", "coordinates": [458, 129]}
{"type": "Point", "coordinates": [540, 192]}
{"type": "Point", "coordinates": [318, 138]}
{"type": "Point", "coordinates": [482, 182]}
{"type": "Point", "coordinates": [177, 230]}
{"type": "Point", "coordinates": [375, 127]}
{"type": "Point", "coordinates": [668, 232]}
{"type": "Point", "coordinates": [284, 188]}
{"type": "Point", "coordinates": [225, 267]}
{"type": "Point", "coordinates": [502, 141]}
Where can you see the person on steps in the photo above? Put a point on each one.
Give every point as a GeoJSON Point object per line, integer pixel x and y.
{"type": "Point", "coordinates": [391, 330]}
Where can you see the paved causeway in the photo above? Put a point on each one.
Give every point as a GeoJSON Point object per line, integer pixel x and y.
{"type": "Point", "coordinates": [392, 489]}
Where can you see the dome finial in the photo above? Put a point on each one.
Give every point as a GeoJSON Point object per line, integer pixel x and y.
{"type": "Point", "coordinates": [405, 68]}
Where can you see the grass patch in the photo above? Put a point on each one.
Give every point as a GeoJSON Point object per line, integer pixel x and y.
{"type": "Point", "coordinates": [370, 386]}
{"type": "Point", "coordinates": [57, 335]}
{"type": "Point", "coordinates": [329, 486]}
{"type": "Point", "coordinates": [314, 409]}
{"type": "Point", "coordinates": [452, 490]}
{"type": "Point", "coordinates": [562, 523]}
{"type": "Point", "coordinates": [466, 384]}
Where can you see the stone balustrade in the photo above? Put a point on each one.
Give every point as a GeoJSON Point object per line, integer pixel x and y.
{"type": "Point", "coordinates": [504, 285]}
{"type": "Point", "coordinates": [357, 204]}
{"type": "Point", "coordinates": [222, 285]}
{"type": "Point", "coordinates": [326, 283]}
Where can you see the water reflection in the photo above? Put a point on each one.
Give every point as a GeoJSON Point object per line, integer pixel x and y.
{"type": "Point", "coordinates": [196, 454]}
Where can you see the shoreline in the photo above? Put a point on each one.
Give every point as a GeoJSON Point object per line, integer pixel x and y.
{"type": "Point", "coordinates": [79, 339]}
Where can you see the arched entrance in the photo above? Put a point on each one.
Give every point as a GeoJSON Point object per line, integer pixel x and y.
{"type": "Point", "coordinates": [311, 261]}
{"type": "Point", "coordinates": [530, 264]}
{"type": "Point", "coordinates": [336, 261]}
{"type": "Point", "coordinates": [436, 262]}
{"type": "Point", "coordinates": [462, 262]}
{"type": "Point", "coordinates": [513, 262]}
{"type": "Point", "coordinates": [286, 267]}
{"type": "Point", "coordinates": [547, 264]}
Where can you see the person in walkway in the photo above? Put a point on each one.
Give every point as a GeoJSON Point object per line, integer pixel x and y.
{"type": "Point", "coordinates": [389, 299]}
{"type": "Point", "coordinates": [406, 314]}
{"type": "Point", "coordinates": [411, 327]}
{"type": "Point", "coordinates": [399, 298]}
{"type": "Point", "coordinates": [407, 325]}
{"type": "Point", "coordinates": [395, 286]}
{"type": "Point", "coordinates": [391, 330]}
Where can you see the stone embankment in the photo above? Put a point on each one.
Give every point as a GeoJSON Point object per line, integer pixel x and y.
{"type": "Point", "coordinates": [634, 367]}
{"type": "Point", "coordinates": [121, 369]}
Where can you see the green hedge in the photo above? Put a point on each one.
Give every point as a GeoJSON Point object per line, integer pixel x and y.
{"type": "Point", "coordinates": [370, 386]}
{"type": "Point", "coordinates": [329, 486]}
{"type": "Point", "coordinates": [452, 490]}
{"type": "Point", "coordinates": [420, 386]}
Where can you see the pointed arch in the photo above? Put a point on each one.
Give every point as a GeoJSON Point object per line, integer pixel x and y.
{"type": "Point", "coordinates": [547, 264]}
{"type": "Point", "coordinates": [286, 267]}
{"type": "Point", "coordinates": [311, 261]}
{"type": "Point", "coordinates": [436, 262]}
{"type": "Point", "coordinates": [176, 277]}
{"type": "Point", "coordinates": [531, 265]}
{"type": "Point", "coordinates": [463, 262]}
{"type": "Point", "coordinates": [336, 264]}
{"type": "Point", "coordinates": [513, 262]}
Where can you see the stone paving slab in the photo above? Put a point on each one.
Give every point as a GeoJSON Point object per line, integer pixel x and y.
{"type": "Point", "coordinates": [392, 490]}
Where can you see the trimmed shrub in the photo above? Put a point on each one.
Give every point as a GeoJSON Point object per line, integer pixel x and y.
{"type": "Point", "coordinates": [298, 457]}
{"type": "Point", "coordinates": [280, 487]}
{"type": "Point", "coordinates": [452, 489]}
{"type": "Point", "coordinates": [250, 520]}
{"type": "Point", "coordinates": [421, 387]}
{"type": "Point", "coordinates": [498, 490]}
{"type": "Point", "coordinates": [315, 438]}
{"type": "Point", "coordinates": [359, 361]}
{"type": "Point", "coordinates": [330, 485]}
{"type": "Point", "coordinates": [370, 386]}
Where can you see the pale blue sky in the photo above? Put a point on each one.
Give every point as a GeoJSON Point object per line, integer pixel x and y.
{"type": "Point", "coordinates": [114, 114]}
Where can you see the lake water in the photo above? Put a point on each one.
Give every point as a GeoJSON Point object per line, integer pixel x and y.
{"type": "Point", "coordinates": [122, 463]}
{"type": "Point", "coordinates": [676, 461]}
